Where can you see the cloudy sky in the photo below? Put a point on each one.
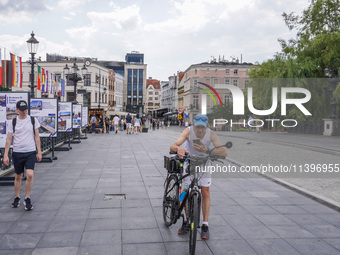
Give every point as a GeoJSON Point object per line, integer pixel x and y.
{"type": "Point", "coordinates": [172, 34]}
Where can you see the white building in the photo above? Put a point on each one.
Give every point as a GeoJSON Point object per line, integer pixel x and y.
{"type": "Point", "coordinates": [119, 86]}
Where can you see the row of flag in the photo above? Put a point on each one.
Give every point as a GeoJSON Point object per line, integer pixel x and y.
{"type": "Point", "coordinates": [15, 71]}
{"type": "Point", "coordinates": [50, 83]}
{"type": "Point", "coordinates": [46, 81]}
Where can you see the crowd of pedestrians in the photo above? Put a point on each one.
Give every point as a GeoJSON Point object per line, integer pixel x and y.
{"type": "Point", "coordinates": [129, 124]}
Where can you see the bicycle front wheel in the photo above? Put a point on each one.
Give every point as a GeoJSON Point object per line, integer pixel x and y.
{"type": "Point", "coordinates": [194, 220]}
{"type": "Point", "coordinates": [170, 199]}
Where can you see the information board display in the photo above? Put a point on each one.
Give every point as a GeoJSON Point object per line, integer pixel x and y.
{"type": "Point", "coordinates": [46, 111]}
{"type": "Point", "coordinates": [85, 116]}
{"type": "Point", "coordinates": [8, 101]}
{"type": "Point", "coordinates": [76, 120]}
{"type": "Point", "coordinates": [65, 117]}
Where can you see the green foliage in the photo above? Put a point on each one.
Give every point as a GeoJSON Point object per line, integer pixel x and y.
{"type": "Point", "coordinates": [4, 88]}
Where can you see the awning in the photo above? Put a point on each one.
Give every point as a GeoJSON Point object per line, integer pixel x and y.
{"type": "Point", "coordinates": [119, 113]}
{"type": "Point", "coordinates": [170, 113]}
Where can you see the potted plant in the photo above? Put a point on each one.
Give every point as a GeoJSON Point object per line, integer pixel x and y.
{"type": "Point", "coordinates": [145, 129]}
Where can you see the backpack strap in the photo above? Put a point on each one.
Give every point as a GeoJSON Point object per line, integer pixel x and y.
{"type": "Point", "coordinates": [33, 124]}
{"type": "Point", "coordinates": [14, 122]}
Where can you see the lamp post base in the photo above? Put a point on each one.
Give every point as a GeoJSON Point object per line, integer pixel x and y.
{"type": "Point", "coordinates": [328, 127]}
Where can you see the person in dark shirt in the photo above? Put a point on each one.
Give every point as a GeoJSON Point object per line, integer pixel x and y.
{"type": "Point", "coordinates": [128, 123]}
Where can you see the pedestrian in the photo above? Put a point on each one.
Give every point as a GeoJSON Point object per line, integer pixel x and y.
{"type": "Point", "coordinates": [122, 121]}
{"type": "Point", "coordinates": [116, 123]}
{"type": "Point", "coordinates": [250, 123]}
{"type": "Point", "coordinates": [93, 124]}
{"type": "Point", "coordinates": [128, 124]}
{"type": "Point", "coordinates": [168, 123]}
{"type": "Point", "coordinates": [137, 124]}
{"type": "Point", "coordinates": [258, 125]}
{"type": "Point", "coordinates": [101, 124]}
{"type": "Point", "coordinates": [186, 123]}
{"type": "Point", "coordinates": [162, 124]}
{"type": "Point", "coordinates": [107, 125]}
{"type": "Point", "coordinates": [26, 150]}
{"type": "Point", "coordinates": [153, 125]}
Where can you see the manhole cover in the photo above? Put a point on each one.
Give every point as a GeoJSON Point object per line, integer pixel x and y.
{"type": "Point", "coordinates": [114, 196]}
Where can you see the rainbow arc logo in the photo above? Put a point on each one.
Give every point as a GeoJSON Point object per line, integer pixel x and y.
{"type": "Point", "coordinates": [209, 93]}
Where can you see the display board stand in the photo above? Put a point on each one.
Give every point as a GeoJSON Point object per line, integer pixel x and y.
{"type": "Point", "coordinates": [65, 148]}
{"type": "Point", "coordinates": [50, 159]}
{"type": "Point", "coordinates": [84, 137]}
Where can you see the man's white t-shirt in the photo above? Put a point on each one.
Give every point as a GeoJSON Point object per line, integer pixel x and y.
{"type": "Point", "coordinates": [23, 140]}
{"type": "Point", "coordinates": [116, 120]}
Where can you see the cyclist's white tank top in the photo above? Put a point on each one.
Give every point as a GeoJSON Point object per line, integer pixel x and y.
{"type": "Point", "coordinates": [188, 145]}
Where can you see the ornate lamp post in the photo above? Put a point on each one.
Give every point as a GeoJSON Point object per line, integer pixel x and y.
{"type": "Point", "coordinates": [32, 45]}
{"type": "Point", "coordinates": [75, 77]}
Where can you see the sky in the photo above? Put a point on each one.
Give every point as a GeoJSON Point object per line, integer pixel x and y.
{"type": "Point", "coordinates": [172, 34]}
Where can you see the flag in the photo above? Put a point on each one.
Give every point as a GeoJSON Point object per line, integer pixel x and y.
{"type": "Point", "coordinates": [0, 69]}
{"type": "Point", "coordinates": [46, 89]}
{"type": "Point", "coordinates": [43, 79]}
{"type": "Point", "coordinates": [62, 87]}
{"type": "Point", "coordinates": [20, 72]}
{"type": "Point", "coordinates": [59, 89]}
{"type": "Point", "coordinates": [39, 78]}
{"type": "Point", "coordinates": [12, 71]}
{"type": "Point", "coordinates": [51, 83]}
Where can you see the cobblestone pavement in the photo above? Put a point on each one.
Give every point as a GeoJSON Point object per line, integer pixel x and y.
{"type": "Point", "coordinates": [249, 214]}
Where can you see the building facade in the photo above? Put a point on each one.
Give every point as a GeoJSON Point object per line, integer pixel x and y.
{"type": "Point", "coordinates": [134, 83]}
{"type": "Point", "coordinates": [118, 98]}
{"type": "Point", "coordinates": [153, 92]}
{"type": "Point", "coordinates": [216, 75]}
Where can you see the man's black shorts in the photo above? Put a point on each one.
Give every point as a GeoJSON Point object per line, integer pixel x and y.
{"type": "Point", "coordinates": [22, 160]}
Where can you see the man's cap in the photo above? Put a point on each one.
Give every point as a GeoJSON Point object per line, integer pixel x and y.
{"type": "Point", "coordinates": [22, 105]}
{"type": "Point", "coordinates": [201, 120]}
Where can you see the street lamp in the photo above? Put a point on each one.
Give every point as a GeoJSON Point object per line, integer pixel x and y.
{"type": "Point", "coordinates": [32, 45]}
{"type": "Point", "coordinates": [75, 77]}
{"type": "Point", "coordinates": [333, 79]}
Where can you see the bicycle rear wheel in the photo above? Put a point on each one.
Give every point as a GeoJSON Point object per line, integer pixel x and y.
{"type": "Point", "coordinates": [194, 220]}
{"type": "Point", "coordinates": [170, 199]}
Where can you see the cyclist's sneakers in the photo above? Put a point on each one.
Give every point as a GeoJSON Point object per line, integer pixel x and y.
{"type": "Point", "coordinates": [184, 229]}
{"type": "Point", "coordinates": [205, 232]}
{"type": "Point", "coordinates": [28, 204]}
{"type": "Point", "coordinates": [16, 202]}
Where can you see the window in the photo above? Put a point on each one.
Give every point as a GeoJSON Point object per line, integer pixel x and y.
{"type": "Point", "coordinates": [70, 96]}
{"type": "Point", "coordinates": [87, 80]}
{"type": "Point", "coordinates": [150, 98]}
{"type": "Point", "coordinates": [156, 93]}
{"type": "Point", "coordinates": [215, 71]}
{"type": "Point", "coordinates": [95, 97]}
{"type": "Point", "coordinates": [69, 82]}
{"type": "Point", "coordinates": [195, 71]}
{"type": "Point", "coordinates": [227, 71]}
{"type": "Point", "coordinates": [235, 82]}
{"type": "Point", "coordinates": [156, 98]}
{"type": "Point", "coordinates": [195, 102]}
{"type": "Point", "coordinates": [227, 81]}
{"type": "Point", "coordinates": [236, 71]}
{"type": "Point", "coordinates": [150, 92]}
{"type": "Point", "coordinates": [226, 98]}
{"type": "Point", "coordinates": [150, 104]}
{"type": "Point", "coordinates": [207, 70]}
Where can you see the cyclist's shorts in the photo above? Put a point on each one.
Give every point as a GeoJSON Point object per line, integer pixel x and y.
{"type": "Point", "coordinates": [205, 181]}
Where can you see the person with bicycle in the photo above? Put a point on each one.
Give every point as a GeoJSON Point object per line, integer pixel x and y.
{"type": "Point", "coordinates": [196, 140]}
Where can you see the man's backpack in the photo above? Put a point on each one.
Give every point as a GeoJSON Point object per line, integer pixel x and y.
{"type": "Point", "coordinates": [14, 122]}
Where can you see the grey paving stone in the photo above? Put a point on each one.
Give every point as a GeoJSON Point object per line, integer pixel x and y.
{"type": "Point", "coordinates": [141, 236]}
{"type": "Point", "coordinates": [305, 219]}
{"type": "Point", "coordinates": [324, 231]}
{"type": "Point", "coordinates": [72, 214]}
{"type": "Point", "coordinates": [17, 252]}
{"type": "Point", "coordinates": [335, 242]}
{"type": "Point", "coordinates": [106, 213]}
{"type": "Point", "coordinates": [255, 232]}
{"type": "Point", "coordinates": [137, 212]}
{"type": "Point", "coordinates": [139, 222]}
{"type": "Point", "coordinates": [60, 239]}
{"type": "Point", "coordinates": [333, 218]}
{"type": "Point", "coordinates": [5, 226]}
{"type": "Point", "coordinates": [25, 227]}
{"type": "Point", "coordinates": [176, 248]}
{"type": "Point", "coordinates": [102, 224]}
{"type": "Point", "coordinates": [19, 241]}
{"type": "Point", "coordinates": [231, 246]}
{"type": "Point", "coordinates": [312, 246]}
{"type": "Point", "coordinates": [56, 251]}
{"type": "Point", "coordinates": [259, 209]}
{"type": "Point", "coordinates": [274, 219]}
{"type": "Point", "coordinates": [97, 238]}
{"type": "Point", "coordinates": [144, 249]}
{"type": "Point", "coordinates": [65, 225]}
{"type": "Point", "coordinates": [112, 249]}
{"type": "Point", "coordinates": [291, 231]}
{"type": "Point", "coordinates": [288, 209]}
{"type": "Point", "coordinates": [272, 246]}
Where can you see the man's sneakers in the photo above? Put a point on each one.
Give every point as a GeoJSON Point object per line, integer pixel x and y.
{"type": "Point", "coordinates": [205, 232]}
{"type": "Point", "coordinates": [16, 202]}
{"type": "Point", "coordinates": [184, 229]}
{"type": "Point", "coordinates": [28, 204]}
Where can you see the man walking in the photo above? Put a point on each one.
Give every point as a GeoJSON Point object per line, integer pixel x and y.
{"type": "Point", "coordinates": [116, 123]}
{"type": "Point", "coordinates": [26, 150]}
{"type": "Point", "coordinates": [128, 124]}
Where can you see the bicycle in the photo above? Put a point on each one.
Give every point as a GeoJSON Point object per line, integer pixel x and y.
{"type": "Point", "coordinates": [172, 206]}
